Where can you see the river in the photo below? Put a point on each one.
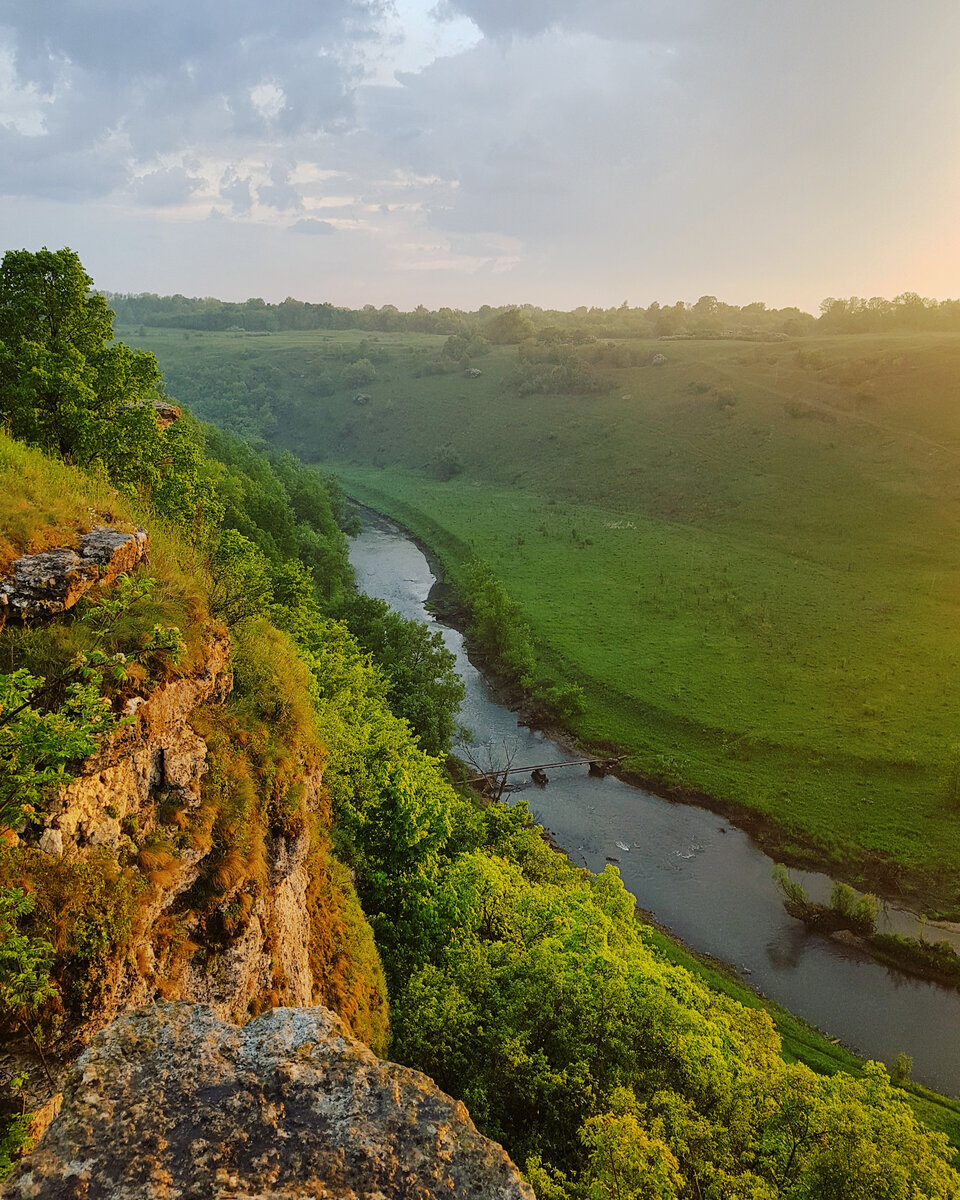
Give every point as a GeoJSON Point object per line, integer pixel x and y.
{"type": "Point", "coordinates": [697, 874]}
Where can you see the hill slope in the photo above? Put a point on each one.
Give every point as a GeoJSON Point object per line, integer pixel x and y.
{"type": "Point", "coordinates": [746, 554]}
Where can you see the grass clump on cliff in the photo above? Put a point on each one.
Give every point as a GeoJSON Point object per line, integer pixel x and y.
{"type": "Point", "coordinates": [46, 504]}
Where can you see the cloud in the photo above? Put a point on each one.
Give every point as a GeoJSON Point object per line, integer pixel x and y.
{"type": "Point", "coordinates": [280, 193]}
{"type": "Point", "coordinates": [195, 77]}
{"type": "Point", "coordinates": [616, 19]}
{"type": "Point", "coordinates": [607, 147]}
{"type": "Point", "coordinates": [236, 191]}
{"type": "Point", "coordinates": [164, 188]}
{"type": "Point", "coordinates": [313, 226]}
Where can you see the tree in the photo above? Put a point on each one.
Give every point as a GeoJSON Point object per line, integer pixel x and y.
{"type": "Point", "coordinates": [25, 965]}
{"type": "Point", "coordinates": [496, 623]}
{"type": "Point", "coordinates": [63, 386]}
{"type": "Point", "coordinates": [358, 373]}
{"type": "Point", "coordinates": [423, 686]}
{"type": "Point", "coordinates": [241, 579]}
{"type": "Point", "coordinates": [508, 327]}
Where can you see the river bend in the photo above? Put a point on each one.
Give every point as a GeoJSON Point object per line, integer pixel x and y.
{"type": "Point", "coordinates": [700, 876]}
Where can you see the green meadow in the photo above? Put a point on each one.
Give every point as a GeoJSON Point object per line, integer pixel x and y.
{"type": "Point", "coordinates": [747, 555]}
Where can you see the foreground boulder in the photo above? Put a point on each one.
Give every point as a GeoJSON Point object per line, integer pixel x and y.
{"type": "Point", "coordinates": [169, 1102]}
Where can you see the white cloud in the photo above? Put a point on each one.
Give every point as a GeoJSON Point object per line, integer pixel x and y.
{"type": "Point", "coordinates": [576, 150]}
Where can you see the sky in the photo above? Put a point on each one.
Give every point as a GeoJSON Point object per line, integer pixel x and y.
{"type": "Point", "coordinates": [468, 152]}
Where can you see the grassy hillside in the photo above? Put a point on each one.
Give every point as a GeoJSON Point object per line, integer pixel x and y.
{"type": "Point", "coordinates": [747, 554]}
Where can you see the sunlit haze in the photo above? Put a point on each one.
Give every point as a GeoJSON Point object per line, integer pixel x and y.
{"type": "Point", "coordinates": [560, 152]}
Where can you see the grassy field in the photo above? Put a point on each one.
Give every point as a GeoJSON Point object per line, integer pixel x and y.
{"type": "Point", "coordinates": [747, 555]}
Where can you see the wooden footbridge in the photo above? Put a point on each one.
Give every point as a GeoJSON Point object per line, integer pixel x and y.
{"type": "Point", "coordinates": [604, 763]}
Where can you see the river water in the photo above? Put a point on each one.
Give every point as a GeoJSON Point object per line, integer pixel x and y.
{"type": "Point", "coordinates": [700, 876]}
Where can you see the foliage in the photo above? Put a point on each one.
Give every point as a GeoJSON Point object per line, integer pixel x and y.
{"type": "Point", "coordinates": [423, 687]}
{"type": "Point", "coordinates": [571, 378]}
{"type": "Point", "coordinates": [49, 724]}
{"type": "Point", "coordinates": [541, 995]}
{"type": "Point", "coordinates": [288, 511]}
{"type": "Point", "coordinates": [625, 1162]}
{"type": "Point", "coordinates": [241, 579]}
{"type": "Point", "coordinates": [496, 622]}
{"type": "Point", "coordinates": [38, 743]}
{"type": "Point", "coordinates": [25, 965]}
{"type": "Point", "coordinates": [66, 387]}
{"type": "Point", "coordinates": [929, 960]}
{"type": "Point", "coordinates": [14, 1141]}
{"type": "Point", "coordinates": [358, 373]}
{"type": "Point", "coordinates": [846, 910]}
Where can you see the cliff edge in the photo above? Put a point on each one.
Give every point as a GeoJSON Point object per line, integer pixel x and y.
{"type": "Point", "coordinates": [169, 1102]}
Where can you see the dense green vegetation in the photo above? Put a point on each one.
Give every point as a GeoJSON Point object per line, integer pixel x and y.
{"type": "Point", "coordinates": [708, 317]}
{"type": "Point", "coordinates": [527, 986]}
{"type": "Point", "coordinates": [745, 555]}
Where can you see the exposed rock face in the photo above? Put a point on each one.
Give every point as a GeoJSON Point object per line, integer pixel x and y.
{"type": "Point", "coordinates": [168, 1102]}
{"type": "Point", "coordinates": [52, 582]}
{"type": "Point", "coordinates": [158, 750]}
{"type": "Point", "coordinates": [157, 759]}
{"type": "Point", "coordinates": [166, 413]}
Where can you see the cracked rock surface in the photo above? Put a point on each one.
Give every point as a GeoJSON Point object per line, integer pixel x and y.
{"type": "Point", "coordinates": [169, 1102]}
{"type": "Point", "coordinates": [53, 581]}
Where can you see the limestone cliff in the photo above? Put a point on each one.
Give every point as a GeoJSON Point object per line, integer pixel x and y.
{"type": "Point", "coordinates": [149, 888]}
{"type": "Point", "coordinates": [170, 1103]}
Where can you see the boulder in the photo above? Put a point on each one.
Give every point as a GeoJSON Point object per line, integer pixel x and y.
{"type": "Point", "coordinates": [170, 1102]}
{"type": "Point", "coordinates": [52, 582]}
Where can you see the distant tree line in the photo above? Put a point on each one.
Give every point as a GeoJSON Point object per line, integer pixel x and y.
{"type": "Point", "coordinates": [908, 311]}
{"type": "Point", "coordinates": [707, 318]}
{"type": "Point", "coordinates": [506, 324]}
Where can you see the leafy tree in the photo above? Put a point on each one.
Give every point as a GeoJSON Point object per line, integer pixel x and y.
{"type": "Point", "coordinates": [63, 386]}
{"type": "Point", "coordinates": [66, 387]}
{"type": "Point", "coordinates": [509, 326]}
{"type": "Point", "coordinates": [497, 623]}
{"type": "Point", "coordinates": [25, 966]}
{"type": "Point", "coordinates": [358, 373]}
{"type": "Point", "coordinates": [422, 683]}
{"type": "Point", "coordinates": [625, 1162]}
{"type": "Point", "coordinates": [241, 579]}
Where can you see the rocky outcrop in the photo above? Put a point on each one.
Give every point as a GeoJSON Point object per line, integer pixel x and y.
{"type": "Point", "coordinates": [168, 1102]}
{"type": "Point", "coordinates": [166, 413]}
{"type": "Point", "coordinates": [158, 751]}
{"type": "Point", "coordinates": [148, 770]}
{"type": "Point", "coordinates": [42, 585]}
{"type": "Point", "coordinates": [144, 785]}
